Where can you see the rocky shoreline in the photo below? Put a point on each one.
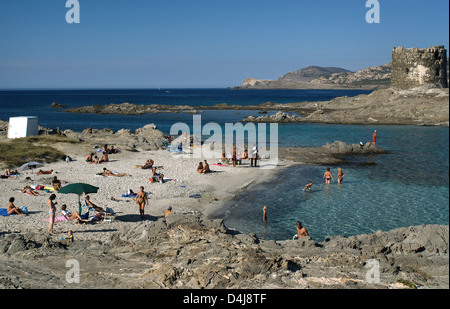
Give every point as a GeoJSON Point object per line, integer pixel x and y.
{"type": "Point", "coordinates": [420, 106]}
{"type": "Point", "coordinates": [190, 252]}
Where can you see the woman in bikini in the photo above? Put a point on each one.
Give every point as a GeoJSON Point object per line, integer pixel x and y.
{"type": "Point", "coordinates": [142, 200]}
{"type": "Point", "coordinates": [340, 175]}
{"type": "Point", "coordinates": [327, 176]}
{"type": "Point", "coordinates": [51, 212]}
{"type": "Point", "coordinates": [12, 209]}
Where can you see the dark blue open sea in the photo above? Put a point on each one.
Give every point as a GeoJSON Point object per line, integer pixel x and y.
{"type": "Point", "coordinates": [408, 186]}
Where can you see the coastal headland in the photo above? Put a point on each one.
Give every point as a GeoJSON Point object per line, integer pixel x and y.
{"type": "Point", "coordinates": [418, 106]}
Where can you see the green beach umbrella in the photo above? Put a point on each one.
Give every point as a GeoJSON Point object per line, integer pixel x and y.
{"type": "Point", "coordinates": [78, 188]}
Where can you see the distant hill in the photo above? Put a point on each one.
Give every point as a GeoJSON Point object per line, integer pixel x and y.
{"type": "Point", "coordinates": [310, 73]}
{"type": "Point", "coordinates": [315, 77]}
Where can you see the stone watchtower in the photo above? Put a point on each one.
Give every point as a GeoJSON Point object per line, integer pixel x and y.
{"type": "Point", "coordinates": [415, 67]}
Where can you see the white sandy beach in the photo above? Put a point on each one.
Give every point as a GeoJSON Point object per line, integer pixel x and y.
{"type": "Point", "coordinates": [222, 184]}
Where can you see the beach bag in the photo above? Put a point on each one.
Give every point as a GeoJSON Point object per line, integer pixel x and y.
{"type": "Point", "coordinates": [85, 216]}
{"type": "Point", "coordinates": [24, 209]}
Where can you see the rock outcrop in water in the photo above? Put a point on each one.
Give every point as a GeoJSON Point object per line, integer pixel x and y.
{"type": "Point", "coordinates": [187, 251]}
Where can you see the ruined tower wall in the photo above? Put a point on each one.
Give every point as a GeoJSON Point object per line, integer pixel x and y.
{"type": "Point", "coordinates": [416, 67]}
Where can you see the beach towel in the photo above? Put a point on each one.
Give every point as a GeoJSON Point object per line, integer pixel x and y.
{"type": "Point", "coordinates": [4, 212]}
{"type": "Point", "coordinates": [218, 164]}
{"type": "Point", "coordinates": [57, 219]}
{"type": "Point", "coordinates": [129, 195]}
{"type": "Point", "coordinates": [134, 195]}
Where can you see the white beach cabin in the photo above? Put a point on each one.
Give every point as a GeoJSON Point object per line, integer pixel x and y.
{"type": "Point", "coordinates": [23, 126]}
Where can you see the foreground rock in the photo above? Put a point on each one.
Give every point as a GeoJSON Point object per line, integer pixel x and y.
{"type": "Point", "coordinates": [188, 251]}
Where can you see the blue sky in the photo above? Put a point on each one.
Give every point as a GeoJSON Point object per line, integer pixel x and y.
{"type": "Point", "coordinates": [202, 43]}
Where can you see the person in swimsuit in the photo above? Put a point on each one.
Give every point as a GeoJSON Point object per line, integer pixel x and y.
{"type": "Point", "coordinates": [69, 215]}
{"type": "Point", "coordinates": [234, 157]}
{"type": "Point", "coordinates": [200, 168]}
{"type": "Point", "coordinates": [327, 176]}
{"type": "Point", "coordinates": [301, 231]}
{"type": "Point", "coordinates": [308, 186]}
{"type": "Point", "coordinates": [206, 168]}
{"type": "Point", "coordinates": [51, 212]}
{"type": "Point", "coordinates": [141, 200]}
{"type": "Point", "coordinates": [12, 209]}
{"type": "Point", "coordinates": [89, 157]}
{"type": "Point", "coordinates": [56, 183]}
{"type": "Point", "coordinates": [340, 175]}
{"type": "Point", "coordinates": [28, 190]}
{"type": "Point", "coordinates": [89, 204]}
{"type": "Point", "coordinates": [265, 215]}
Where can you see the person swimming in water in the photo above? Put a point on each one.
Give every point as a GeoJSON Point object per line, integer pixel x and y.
{"type": "Point", "coordinates": [308, 186]}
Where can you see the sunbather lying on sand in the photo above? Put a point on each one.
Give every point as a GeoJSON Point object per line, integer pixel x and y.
{"type": "Point", "coordinates": [41, 172]}
{"type": "Point", "coordinates": [107, 172]}
{"type": "Point", "coordinates": [148, 165]}
{"type": "Point", "coordinates": [28, 190]}
{"type": "Point", "coordinates": [9, 174]}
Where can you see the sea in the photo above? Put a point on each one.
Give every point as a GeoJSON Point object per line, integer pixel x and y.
{"type": "Point", "coordinates": [408, 186]}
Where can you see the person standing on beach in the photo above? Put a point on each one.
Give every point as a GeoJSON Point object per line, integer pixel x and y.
{"type": "Point", "coordinates": [234, 157]}
{"type": "Point", "coordinates": [51, 212]}
{"type": "Point", "coordinates": [328, 176]}
{"type": "Point", "coordinates": [374, 137]}
{"type": "Point", "coordinates": [142, 200]}
{"type": "Point", "coordinates": [254, 156]}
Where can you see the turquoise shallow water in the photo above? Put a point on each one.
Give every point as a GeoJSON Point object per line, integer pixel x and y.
{"type": "Point", "coordinates": [408, 186]}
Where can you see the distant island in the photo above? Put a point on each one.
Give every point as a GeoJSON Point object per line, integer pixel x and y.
{"type": "Point", "coordinates": [316, 77]}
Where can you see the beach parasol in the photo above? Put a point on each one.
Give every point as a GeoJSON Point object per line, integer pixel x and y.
{"type": "Point", "coordinates": [31, 166]}
{"type": "Point", "coordinates": [78, 188]}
